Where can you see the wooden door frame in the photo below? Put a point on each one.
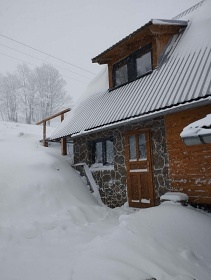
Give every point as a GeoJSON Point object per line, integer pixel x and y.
{"type": "Point", "coordinates": [150, 161]}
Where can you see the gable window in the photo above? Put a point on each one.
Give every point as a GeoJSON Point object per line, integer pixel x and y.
{"type": "Point", "coordinates": [132, 67]}
{"type": "Point", "coordinates": [103, 152]}
{"type": "Point", "coordinates": [143, 64]}
{"type": "Point", "coordinates": [121, 75]}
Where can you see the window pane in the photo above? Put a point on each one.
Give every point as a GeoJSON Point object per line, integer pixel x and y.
{"type": "Point", "coordinates": [109, 152]}
{"type": "Point", "coordinates": [121, 75]}
{"type": "Point", "coordinates": [132, 143]}
{"type": "Point", "coordinates": [143, 64]}
{"type": "Point", "coordinates": [142, 147]}
{"type": "Point", "coordinates": [98, 152]}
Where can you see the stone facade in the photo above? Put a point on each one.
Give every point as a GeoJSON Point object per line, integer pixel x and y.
{"type": "Point", "coordinates": [112, 182]}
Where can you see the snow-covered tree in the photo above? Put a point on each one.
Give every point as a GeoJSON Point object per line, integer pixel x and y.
{"type": "Point", "coordinates": [27, 91]}
{"type": "Point", "coordinates": [10, 97]}
{"type": "Point", "coordinates": [32, 95]}
{"type": "Point", "coordinates": [50, 91]}
{"type": "Point", "coordinates": [2, 117]}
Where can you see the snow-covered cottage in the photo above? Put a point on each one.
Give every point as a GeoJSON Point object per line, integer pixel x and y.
{"type": "Point", "coordinates": [159, 81]}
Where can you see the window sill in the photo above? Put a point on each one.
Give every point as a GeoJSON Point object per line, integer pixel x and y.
{"type": "Point", "coordinates": [101, 167]}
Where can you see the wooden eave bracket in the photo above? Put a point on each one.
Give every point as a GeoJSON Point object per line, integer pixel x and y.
{"type": "Point", "coordinates": [157, 29]}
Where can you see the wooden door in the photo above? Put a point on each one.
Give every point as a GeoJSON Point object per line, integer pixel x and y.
{"type": "Point", "coordinates": [139, 169]}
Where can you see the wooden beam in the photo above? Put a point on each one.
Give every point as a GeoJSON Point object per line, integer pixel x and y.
{"type": "Point", "coordinates": [45, 144]}
{"type": "Point", "coordinates": [54, 116]}
{"type": "Point", "coordinates": [165, 29]}
{"type": "Point", "coordinates": [64, 146]}
{"type": "Point", "coordinates": [62, 117]}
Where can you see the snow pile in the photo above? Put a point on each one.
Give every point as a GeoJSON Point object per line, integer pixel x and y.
{"type": "Point", "coordinates": [51, 227]}
{"type": "Point", "coordinates": [30, 174]}
{"type": "Point", "coordinates": [198, 128]}
{"type": "Point", "coordinates": [174, 196]}
{"type": "Point", "coordinates": [168, 242]}
{"type": "Point", "coordinates": [45, 208]}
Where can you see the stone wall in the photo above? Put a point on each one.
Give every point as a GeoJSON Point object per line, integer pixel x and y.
{"type": "Point", "coordinates": [112, 182]}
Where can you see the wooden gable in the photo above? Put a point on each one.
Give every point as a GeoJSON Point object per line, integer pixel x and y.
{"type": "Point", "coordinates": [156, 32]}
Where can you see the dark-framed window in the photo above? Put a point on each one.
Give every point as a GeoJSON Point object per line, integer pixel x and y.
{"type": "Point", "coordinates": [121, 73]}
{"type": "Point", "coordinates": [137, 65]}
{"type": "Point", "coordinates": [103, 151]}
{"type": "Point", "coordinates": [143, 64]}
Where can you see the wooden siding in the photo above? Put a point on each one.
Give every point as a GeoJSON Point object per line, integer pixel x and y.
{"type": "Point", "coordinates": [190, 167]}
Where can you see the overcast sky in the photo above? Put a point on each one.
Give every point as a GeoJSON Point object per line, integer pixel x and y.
{"type": "Point", "coordinates": [74, 31]}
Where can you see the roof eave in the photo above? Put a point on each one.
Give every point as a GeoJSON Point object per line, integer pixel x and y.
{"type": "Point", "coordinates": [147, 116]}
{"type": "Point", "coordinates": [153, 27]}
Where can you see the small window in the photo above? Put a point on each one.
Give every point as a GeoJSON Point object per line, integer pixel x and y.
{"type": "Point", "coordinates": [132, 67]}
{"type": "Point", "coordinates": [98, 152]}
{"type": "Point", "coordinates": [132, 143]}
{"type": "Point", "coordinates": [109, 152]}
{"type": "Point", "coordinates": [121, 75]}
{"type": "Point", "coordinates": [142, 147]}
{"type": "Point", "coordinates": [143, 64]}
{"type": "Point", "coordinates": [103, 152]}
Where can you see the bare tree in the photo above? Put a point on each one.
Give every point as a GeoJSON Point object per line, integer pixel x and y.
{"type": "Point", "coordinates": [10, 97]}
{"type": "Point", "coordinates": [2, 111]}
{"type": "Point", "coordinates": [51, 94]}
{"type": "Point", "coordinates": [27, 91]}
{"type": "Point", "coordinates": [32, 95]}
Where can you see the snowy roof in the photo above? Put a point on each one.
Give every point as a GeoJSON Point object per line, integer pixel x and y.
{"type": "Point", "coordinates": [182, 79]}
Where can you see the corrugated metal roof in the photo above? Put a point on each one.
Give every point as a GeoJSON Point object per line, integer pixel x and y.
{"type": "Point", "coordinates": [184, 75]}
{"type": "Point", "coordinates": [188, 11]}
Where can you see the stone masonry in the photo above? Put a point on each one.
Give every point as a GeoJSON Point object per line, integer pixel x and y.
{"type": "Point", "coordinates": [112, 182]}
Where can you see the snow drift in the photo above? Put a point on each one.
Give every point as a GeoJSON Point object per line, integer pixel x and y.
{"type": "Point", "coordinates": [51, 227]}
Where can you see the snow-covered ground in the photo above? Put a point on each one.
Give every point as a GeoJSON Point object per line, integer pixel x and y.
{"type": "Point", "coordinates": [52, 228]}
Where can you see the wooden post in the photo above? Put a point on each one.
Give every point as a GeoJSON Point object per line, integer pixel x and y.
{"type": "Point", "coordinates": [63, 140]}
{"type": "Point", "coordinates": [62, 117]}
{"type": "Point", "coordinates": [45, 144]}
{"type": "Point", "coordinates": [64, 146]}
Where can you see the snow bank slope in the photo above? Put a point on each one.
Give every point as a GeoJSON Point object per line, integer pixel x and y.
{"type": "Point", "coordinates": [37, 182]}
{"type": "Point", "coordinates": [45, 208]}
{"type": "Point", "coordinates": [169, 242]}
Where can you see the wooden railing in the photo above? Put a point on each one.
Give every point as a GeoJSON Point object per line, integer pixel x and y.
{"type": "Point", "coordinates": [63, 139]}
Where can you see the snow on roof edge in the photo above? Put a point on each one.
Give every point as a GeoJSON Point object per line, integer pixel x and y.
{"type": "Point", "coordinates": [174, 108]}
{"type": "Point", "coordinates": [169, 22]}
